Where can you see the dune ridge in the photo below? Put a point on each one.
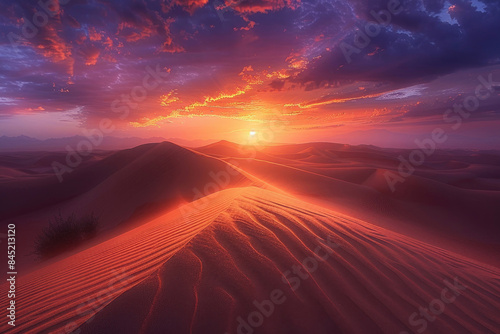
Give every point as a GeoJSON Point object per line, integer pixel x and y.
{"type": "Point", "coordinates": [59, 294]}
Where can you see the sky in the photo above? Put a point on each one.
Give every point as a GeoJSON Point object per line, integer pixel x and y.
{"type": "Point", "coordinates": [363, 72]}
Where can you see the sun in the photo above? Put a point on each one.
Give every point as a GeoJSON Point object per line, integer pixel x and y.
{"type": "Point", "coordinates": [253, 133]}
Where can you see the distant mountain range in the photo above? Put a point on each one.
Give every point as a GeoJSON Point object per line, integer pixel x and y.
{"type": "Point", "coordinates": [25, 143]}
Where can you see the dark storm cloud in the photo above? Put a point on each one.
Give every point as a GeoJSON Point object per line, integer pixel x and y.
{"type": "Point", "coordinates": [417, 45]}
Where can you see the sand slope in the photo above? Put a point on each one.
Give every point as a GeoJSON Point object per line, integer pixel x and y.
{"type": "Point", "coordinates": [121, 183]}
{"type": "Point", "coordinates": [200, 269]}
{"type": "Point", "coordinates": [449, 201]}
{"type": "Point", "coordinates": [124, 187]}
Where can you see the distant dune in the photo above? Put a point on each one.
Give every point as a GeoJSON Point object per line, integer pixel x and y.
{"type": "Point", "coordinates": [450, 200]}
{"type": "Point", "coordinates": [29, 144]}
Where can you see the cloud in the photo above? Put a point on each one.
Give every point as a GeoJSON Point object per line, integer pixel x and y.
{"type": "Point", "coordinates": [261, 6]}
{"type": "Point", "coordinates": [189, 5]}
{"type": "Point", "coordinates": [417, 46]}
{"type": "Point", "coordinates": [277, 84]}
{"type": "Point", "coordinates": [245, 59]}
{"type": "Point", "coordinates": [91, 55]}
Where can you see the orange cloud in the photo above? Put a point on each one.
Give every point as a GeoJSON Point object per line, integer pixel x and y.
{"type": "Point", "coordinates": [249, 26]}
{"type": "Point", "coordinates": [108, 42]}
{"type": "Point", "coordinates": [221, 96]}
{"type": "Point", "coordinates": [167, 99]}
{"type": "Point", "coordinates": [94, 35]}
{"type": "Point", "coordinates": [133, 33]}
{"type": "Point", "coordinates": [238, 109]}
{"type": "Point", "coordinates": [172, 48]}
{"type": "Point", "coordinates": [91, 55]}
{"type": "Point", "coordinates": [261, 6]}
{"type": "Point", "coordinates": [51, 45]}
{"type": "Point", "coordinates": [281, 74]}
{"type": "Point", "coordinates": [168, 45]}
{"type": "Point", "coordinates": [308, 105]}
{"type": "Point", "coordinates": [298, 64]}
{"type": "Point", "coordinates": [187, 111]}
{"type": "Point", "coordinates": [189, 5]}
{"type": "Point", "coordinates": [250, 78]}
{"type": "Point", "coordinates": [36, 109]}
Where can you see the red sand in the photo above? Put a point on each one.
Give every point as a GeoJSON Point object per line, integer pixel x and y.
{"type": "Point", "coordinates": [190, 275]}
{"type": "Point", "coordinates": [209, 265]}
{"type": "Point", "coordinates": [453, 206]}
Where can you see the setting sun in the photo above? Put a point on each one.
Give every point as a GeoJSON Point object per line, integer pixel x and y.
{"type": "Point", "coordinates": [253, 133]}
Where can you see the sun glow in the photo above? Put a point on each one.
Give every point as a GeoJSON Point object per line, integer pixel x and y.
{"type": "Point", "coordinates": [253, 133]}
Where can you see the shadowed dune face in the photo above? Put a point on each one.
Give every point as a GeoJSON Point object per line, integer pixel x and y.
{"type": "Point", "coordinates": [151, 173]}
{"type": "Point", "coordinates": [39, 163]}
{"type": "Point", "coordinates": [303, 268]}
{"type": "Point", "coordinates": [125, 187]}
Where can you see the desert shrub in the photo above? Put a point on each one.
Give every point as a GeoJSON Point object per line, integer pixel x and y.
{"type": "Point", "coordinates": [65, 233]}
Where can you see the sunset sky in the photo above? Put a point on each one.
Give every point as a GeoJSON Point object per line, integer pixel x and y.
{"type": "Point", "coordinates": [236, 69]}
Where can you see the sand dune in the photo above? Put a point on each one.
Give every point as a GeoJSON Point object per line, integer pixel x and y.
{"type": "Point", "coordinates": [7, 173]}
{"type": "Point", "coordinates": [213, 231]}
{"type": "Point", "coordinates": [123, 188]}
{"type": "Point", "coordinates": [204, 268]}
{"type": "Point", "coordinates": [120, 184]}
{"type": "Point", "coordinates": [164, 177]}
{"type": "Point", "coordinates": [151, 173]}
{"type": "Point", "coordinates": [449, 201]}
